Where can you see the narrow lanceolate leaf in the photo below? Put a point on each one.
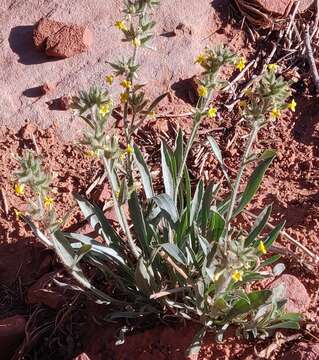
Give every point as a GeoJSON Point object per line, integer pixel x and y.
{"type": "Point", "coordinates": [63, 249]}
{"type": "Point", "coordinates": [98, 220]}
{"type": "Point", "coordinates": [285, 325]}
{"type": "Point", "coordinates": [144, 172]}
{"type": "Point", "coordinates": [218, 154]}
{"type": "Point", "coordinates": [139, 223]}
{"type": "Point", "coordinates": [258, 226]}
{"type": "Point", "coordinates": [179, 150]}
{"type": "Point", "coordinates": [206, 204]}
{"type": "Point", "coordinates": [167, 207]}
{"type": "Point", "coordinates": [254, 182]}
{"type": "Point", "coordinates": [37, 232]}
{"type": "Point", "coordinates": [156, 102]}
{"type": "Point", "coordinates": [167, 170]}
{"type": "Point", "coordinates": [144, 277]}
{"type": "Point", "coordinates": [173, 251]}
{"type": "Point", "coordinates": [217, 225]}
{"type": "Point", "coordinates": [197, 201]}
{"type": "Point", "coordinates": [273, 235]}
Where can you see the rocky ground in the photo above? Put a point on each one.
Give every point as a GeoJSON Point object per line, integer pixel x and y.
{"type": "Point", "coordinates": [37, 319]}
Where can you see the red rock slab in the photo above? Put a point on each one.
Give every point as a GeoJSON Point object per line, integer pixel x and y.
{"type": "Point", "coordinates": [281, 7]}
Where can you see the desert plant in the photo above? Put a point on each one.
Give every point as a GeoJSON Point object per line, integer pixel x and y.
{"type": "Point", "coordinates": [178, 252]}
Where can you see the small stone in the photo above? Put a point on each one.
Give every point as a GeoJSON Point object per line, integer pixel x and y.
{"type": "Point", "coordinates": [303, 351]}
{"type": "Point", "coordinates": [61, 40]}
{"type": "Point", "coordinates": [69, 41]}
{"type": "Point", "coordinates": [296, 294]}
{"type": "Point", "coordinates": [41, 293]}
{"type": "Point", "coordinates": [82, 356]}
{"type": "Point", "coordinates": [65, 102]}
{"type": "Point", "coordinates": [47, 88]}
{"type": "Point", "coordinates": [11, 335]}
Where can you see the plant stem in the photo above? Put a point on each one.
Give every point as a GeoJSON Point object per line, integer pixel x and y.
{"type": "Point", "coordinates": [249, 143]}
{"type": "Point", "coordinates": [197, 121]}
{"type": "Point", "coordinates": [119, 211]}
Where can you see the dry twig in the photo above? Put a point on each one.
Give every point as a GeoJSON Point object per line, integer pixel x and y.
{"type": "Point", "coordinates": [311, 59]}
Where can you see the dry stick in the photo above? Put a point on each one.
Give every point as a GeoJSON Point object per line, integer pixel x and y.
{"type": "Point", "coordinates": [4, 201]}
{"type": "Point", "coordinates": [311, 60]}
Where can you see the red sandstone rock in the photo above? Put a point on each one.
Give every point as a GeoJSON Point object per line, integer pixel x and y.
{"type": "Point", "coordinates": [43, 29]}
{"type": "Point", "coordinates": [281, 7]}
{"type": "Point", "coordinates": [296, 294]}
{"type": "Point", "coordinates": [61, 40]}
{"type": "Point", "coordinates": [11, 334]}
{"type": "Point", "coordinates": [41, 293]}
{"type": "Point", "coordinates": [47, 88]}
{"type": "Point", "coordinates": [303, 351]}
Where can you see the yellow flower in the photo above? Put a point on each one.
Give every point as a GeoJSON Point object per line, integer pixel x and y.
{"type": "Point", "coordinates": [212, 112]}
{"type": "Point", "coordinates": [272, 67]}
{"type": "Point", "coordinates": [91, 153]}
{"type": "Point", "coordinates": [18, 213]}
{"type": "Point", "coordinates": [275, 113]}
{"type": "Point", "coordinates": [152, 115]}
{"type": "Point", "coordinates": [120, 24]}
{"type": "Point", "coordinates": [262, 248]}
{"type": "Point", "coordinates": [292, 105]}
{"type": "Point", "coordinates": [241, 63]}
{"type": "Point", "coordinates": [136, 42]}
{"type": "Point", "coordinates": [122, 156]}
{"type": "Point", "coordinates": [202, 91]}
{"type": "Point", "coordinates": [124, 97]}
{"type": "Point", "coordinates": [248, 92]}
{"type": "Point", "coordinates": [109, 79]}
{"type": "Point", "coordinates": [48, 201]}
{"type": "Point", "coordinates": [117, 194]}
{"type": "Point", "coordinates": [130, 149]}
{"type": "Point", "coordinates": [126, 84]}
{"type": "Point", "coordinates": [104, 109]}
{"type": "Point", "coordinates": [201, 59]}
{"type": "Point", "coordinates": [237, 275]}
{"type": "Point", "coordinates": [19, 189]}
{"type": "Point", "coordinates": [242, 104]}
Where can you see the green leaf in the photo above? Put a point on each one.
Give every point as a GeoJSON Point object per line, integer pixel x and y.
{"type": "Point", "coordinates": [218, 154]}
{"type": "Point", "coordinates": [139, 223]}
{"type": "Point", "coordinates": [196, 203]}
{"type": "Point", "coordinates": [217, 226]}
{"type": "Point", "coordinates": [84, 249]}
{"type": "Point", "coordinates": [167, 206]}
{"type": "Point", "coordinates": [272, 236]}
{"type": "Point", "coordinates": [63, 249]}
{"type": "Point", "coordinates": [175, 253]}
{"type": "Point", "coordinates": [285, 325]}
{"type": "Point", "coordinates": [179, 150]}
{"type": "Point", "coordinates": [98, 221]}
{"type": "Point", "coordinates": [144, 172]}
{"type": "Point", "coordinates": [290, 317]}
{"type": "Point", "coordinates": [269, 261]}
{"type": "Point", "coordinates": [258, 225]}
{"type": "Point", "coordinates": [144, 277]}
{"type": "Point", "coordinates": [254, 182]}
{"type": "Point", "coordinates": [167, 169]}
{"type": "Point", "coordinates": [37, 232]}
{"type": "Point", "coordinates": [256, 299]}
{"type": "Point", "coordinates": [206, 204]}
